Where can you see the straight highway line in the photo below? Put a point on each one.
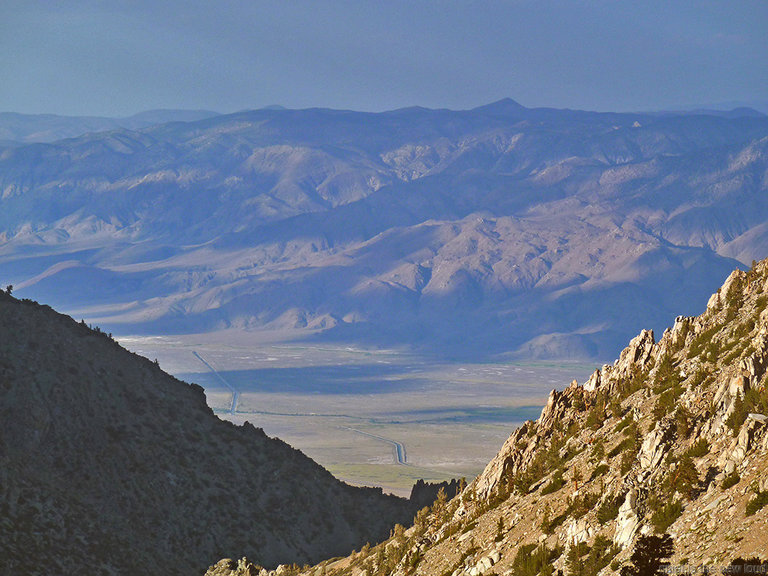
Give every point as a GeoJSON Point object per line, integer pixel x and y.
{"type": "Point", "coordinates": [235, 393]}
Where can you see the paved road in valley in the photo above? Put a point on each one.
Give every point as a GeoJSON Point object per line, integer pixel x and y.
{"type": "Point", "coordinates": [235, 393]}
{"type": "Point", "coordinates": [399, 447]}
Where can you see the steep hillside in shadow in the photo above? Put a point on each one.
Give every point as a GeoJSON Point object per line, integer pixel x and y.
{"type": "Point", "coordinates": [108, 465]}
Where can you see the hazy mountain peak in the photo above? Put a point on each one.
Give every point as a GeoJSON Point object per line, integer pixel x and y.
{"type": "Point", "coordinates": [37, 128]}
{"type": "Point", "coordinates": [162, 115]}
{"type": "Point", "coordinates": [503, 106]}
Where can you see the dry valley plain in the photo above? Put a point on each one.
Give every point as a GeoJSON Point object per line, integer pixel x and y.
{"type": "Point", "coordinates": [372, 417]}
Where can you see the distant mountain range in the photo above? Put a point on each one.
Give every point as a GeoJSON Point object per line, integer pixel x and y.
{"type": "Point", "coordinates": [502, 229]}
{"type": "Point", "coordinates": [18, 129]}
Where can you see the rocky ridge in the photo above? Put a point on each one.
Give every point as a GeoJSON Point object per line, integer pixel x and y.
{"type": "Point", "coordinates": [109, 465]}
{"type": "Point", "coordinates": [670, 438]}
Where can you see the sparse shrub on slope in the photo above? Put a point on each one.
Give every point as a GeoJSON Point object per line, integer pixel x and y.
{"type": "Point", "coordinates": [740, 566]}
{"type": "Point", "coordinates": [704, 339]}
{"type": "Point", "coordinates": [582, 504]}
{"type": "Point", "coordinates": [554, 484]}
{"type": "Point", "coordinates": [684, 422]}
{"type": "Point", "coordinates": [585, 560]}
{"type": "Point", "coordinates": [757, 503]}
{"type": "Point", "coordinates": [609, 509]}
{"type": "Point", "coordinates": [549, 522]}
{"type": "Point", "coordinates": [682, 477]}
{"type": "Point", "coordinates": [754, 400]}
{"type": "Point", "coordinates": [698, 449]}
{"type": "Point", "coordinates": [667, 375]}
{"type": "Point", "coordinates": [665, 514]}
{"type": "Point", "coordinates": [730, 480]}
{"type": "Point", "coordinates": [534, 560]}
{"type": "Point", "coordinates": [599, 471]}
{"type": "Point", "coordinates": [596, 415]}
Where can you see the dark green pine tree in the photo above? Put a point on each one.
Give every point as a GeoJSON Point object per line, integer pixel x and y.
{"type": "Point", "coordinates": [751, 565]}
{"type": "Point", "coordinates": [649, 555]}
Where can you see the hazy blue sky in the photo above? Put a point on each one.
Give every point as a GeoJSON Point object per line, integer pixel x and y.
{"type": "Point", "coordinates": [115, 57]}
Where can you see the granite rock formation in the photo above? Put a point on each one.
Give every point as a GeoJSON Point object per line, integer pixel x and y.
{"type": "Point", "coordinates": [670, 438]}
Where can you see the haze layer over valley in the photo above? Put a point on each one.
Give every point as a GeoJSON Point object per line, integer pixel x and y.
{"type": "Point", "coordinates": [371, 417]}
{"type": "Point", "coordinates": [471, 234]}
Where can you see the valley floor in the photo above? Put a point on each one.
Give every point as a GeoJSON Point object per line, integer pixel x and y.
{"type": "Point", "coordinates": [377, 418]}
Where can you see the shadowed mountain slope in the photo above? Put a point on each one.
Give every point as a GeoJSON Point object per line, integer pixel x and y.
{"type": "Point", "coordinates": [109, 465]}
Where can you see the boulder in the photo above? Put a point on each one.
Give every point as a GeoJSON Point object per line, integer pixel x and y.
{"type": "Point", "coordinates": [593, 383]}
{"type": "Point", "coordinates": [484, 564]}
{"type": "Point", "coordinates": [637, 355]}
{"type": "Point", "coordinates": [742, 444]}
{"type": "Point", "coordinates": [578, 531]}
{"type": "Point", "coordinates": [229, 567]}
{"type": "Point", "coordinates": [729, 389]}
{"type": "Point", "coordinates": [654, 447]}
{"type": "Point", "coordinates": [753, 367]}
{"type": "Point", "coordinates": [627, 522]}
{"type": "Point", "coordinates": [714, 302]}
